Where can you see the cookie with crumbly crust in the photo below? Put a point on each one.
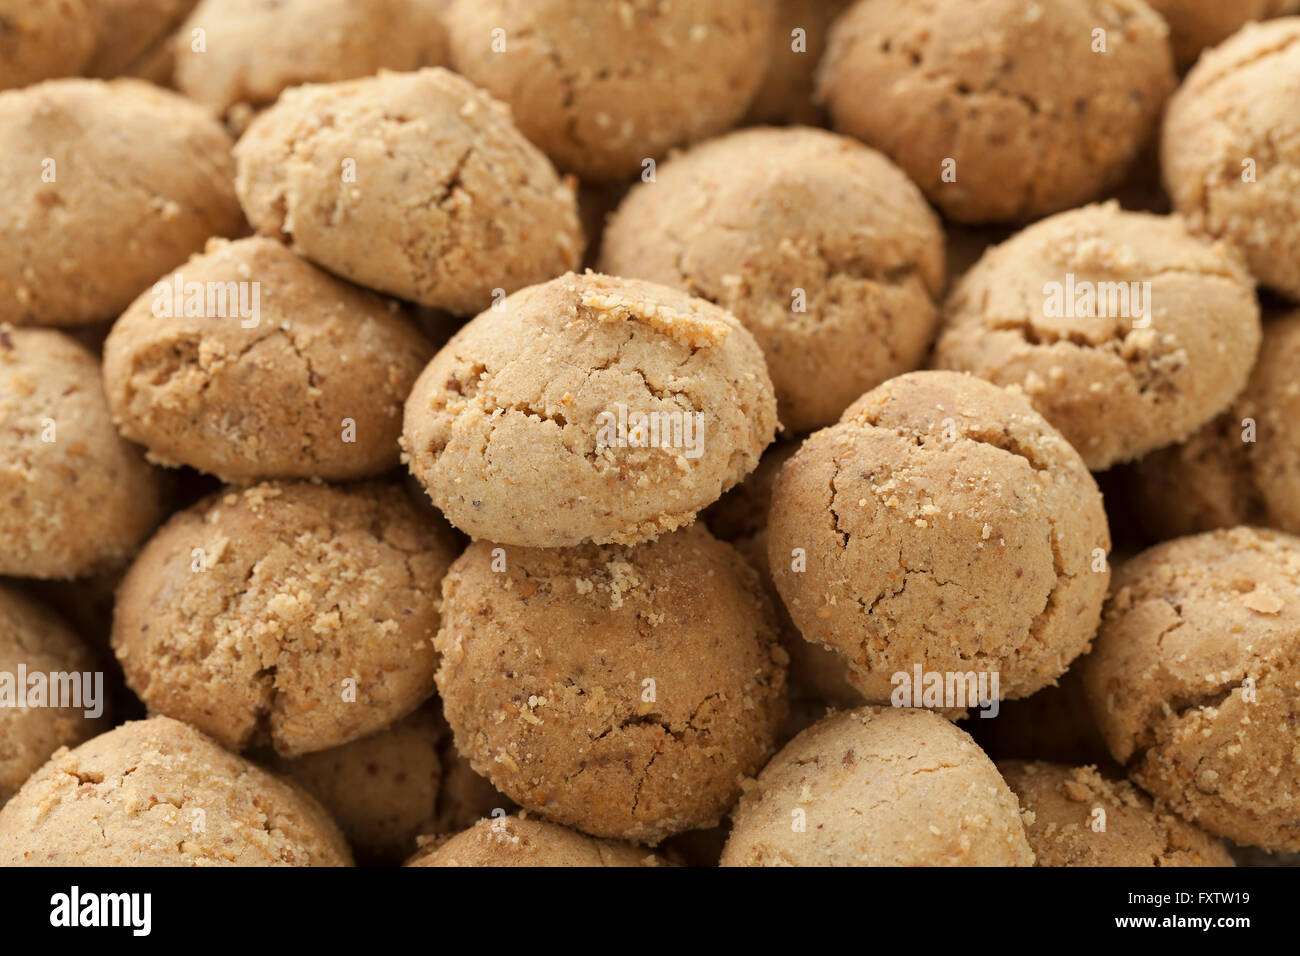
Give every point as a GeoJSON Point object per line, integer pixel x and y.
{"type": "Point", "coordinates": [524, 428]}
{"type": "Point", "coordinates": [416, 184]}
{"type": "Point", "coordinates": [295, 614]}
{"type": "Point", "coordinates": [528, 841]}
{"type": "Point", "coordinates": [249, 363]}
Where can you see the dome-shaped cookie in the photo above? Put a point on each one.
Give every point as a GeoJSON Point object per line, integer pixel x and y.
{"type": "Point", "coordinates": [527, 842]}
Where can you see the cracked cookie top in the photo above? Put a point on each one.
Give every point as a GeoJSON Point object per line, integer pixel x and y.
{"type": "Point", "coordinates": [623, 691]}
{"type": "Point", "coordinates": [248, 362]}
{"type": "Point", "coordinates": [298, 615]}
{"type": "Point", "coordinates": [822, 247]}
{"type": "Point", "coordinates": [159, 793]}
{"type": "Point", "coordinates": [1123, 329]}
{"type": "Point", "coordinates": [524, 428]}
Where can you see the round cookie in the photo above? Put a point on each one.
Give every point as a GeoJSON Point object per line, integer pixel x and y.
{"type": "Point", "coordinates": [1000, 110]}
{"type": "Point", "coordinates": [159, 793]}
{"type": "Point", "coordinates": [1060, 810]}
{"type": "Point", "coordinates": [74, 497]}
{"type": "Point", "coordinates": [798, 42]}
{"type": "Point", "coordinates": [1230, 149]}
{"type": "Point", "coordinates": [620, 691]}
{"type": "Point", "coordinates": [942, 524]}
{"type": "Point", "coordinates": [602, 87]}
{"type": "Point", "coordinates": [130, 178]}
{"type": "Point", "coordinates": [136, 38]}
{"type": "Point", "coordinates": [529, 842]}
{"type": "Point", "coordinates": [1193, 678]}
{"type": "Point", "coordinates": [254, 50]}
{"type": "Point", "coordinates": [825, 251]}
{"type": "Point", "coordinates": [588, 408]}
{"type": "Point", "coordinates": [292, 614]}
{"type": "Point", "coordinates": [1244, 466]}
{"type": "Point", "coordinates": [879, 787]}
{"type": "Point", "coordinates": [382, 789]}
{"type": "Point", "coordinates": [34, 639]}
{"type": "Point", "coordinates": [415, 184]}
{"type": "Point", "coordinates": [39, 41]}
{"type": "Point", "coordinates": [1125, 331]}
{"type": "Point", "coordinates": [1195, 25]}
{"type": "Point", "coordinates": [286, 373]}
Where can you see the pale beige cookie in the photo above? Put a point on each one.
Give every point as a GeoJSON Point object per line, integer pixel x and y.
{"type": "Point", "coordinates": [823, 248]}
{"type": "Point", "coordinates": [1195, 25]}
{"type": "Point", "coordinates": [604, 86]}
{"type": "Point", "coordinates": [44, 39]}
{"type": "Point", "coordinates": [879, 787]}
{"type": "Point", "coordinates": [798, 42]}
{"type": "Point", "coordinates": [588, 408]}
{"type": "Point", "coordinates": [1124, 330]}
{"type": "Point", "coordinates": [159, 793]}
{"type": "Point", "coordinates": [135, 38]}
{"type": "Point", "coordinates": [1193, 681]}
{"type": "Point", "coordinates": [253, 50]}
{"type": "Point", "coordinates": [620, 691]}
{"type": "Point", "coordinates": [297, 614]}
{"type": "Point", "coordinates": [1244, 466]}
{"type": "Point", "coordinates": [31, 726]}
{"type": "Point", "coordinates": [1074, 816]}
{"type": "Point", "coordinates": [942, 524]}
{"type": "Point", "coordinates": [74, 497]}
{"type": "Point", "coordinates": [106, 187]}
{"type": "Point", "coordinates": [382, 789]}
{"type": "Point", "coordinates": [249, 362]}
{"type": "Point", "coordinates": [1000, 109]}
{"type": "Point", "coordinates": [1231, 149]}
{"type": "Point", "coordinates": [527, 841]}
{"type": "Point", "coordinates": [416, 184]}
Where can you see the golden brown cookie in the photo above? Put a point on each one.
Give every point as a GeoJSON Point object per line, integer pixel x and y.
{"type": "Point", "coordinates": [131, 180]}
{"type": "Point", "coordinates": [416, 184]}
{"type": "Point", "coordinates": [941, 525]}
{"type": "Point", "coordinates": [1125, 331]}
{"type": "Point", "coordinates": [798, 43]}
{"type": "Point", "coordinates": [292, 614]}
{"type": "Point", "coordinates": [604, 86]}
{"type": "Point", "coordinates": [159, 793]}
{"type": "Point", "coordinates": [249, 362]}
{"type": "Point", "coordinates": [1195, 25]}
{"type": "Point", "coordinates": [527, 841]}
{"type": "Point", "coordinates": [1074, 816]}
{"type": "Point", "coordinates": [74, 497]}
{"type": "Point", "coordinates": [822, 247]}
{"type": "Point", "coordinates": [588, 408]}
{"type": "Point", "coordinates": [1193, 681]}
{"type": "Point", "coordinates": [1000, 110]}
{"type": "Point", "coordinates": [135, 38]}
{"type": "Point", "coordinates": [43, 40]}
{"type": "Point", "coordinates": [620, 691]}
{"type": "Point", "coordinates": [879, 787]}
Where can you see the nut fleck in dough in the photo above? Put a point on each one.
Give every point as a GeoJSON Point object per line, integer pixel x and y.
{"type": "Point", "coordinates": [1241, 468]}
{"type": "Point", "coordinates": [1193, 681]}
{"type": "Point", "coordinates": [135, 38]}
{"type": "Point", "coordinates": [1231, 149]}
{"type": "Point", "coordinates": [294, 614]}
{"type": "Point", "coordinates": [74, 497]}
{"type": "Point", "coordinates": [786, 93]}
{"type": "Point", "coordinates": [1059, 807]}
{"type": "Point", "coordinates": [106, 187]}
{"type": "Point", "coordinates": [1007, 101]}
{"type": "Point", "coordinates": [522, 427]}
{"type": "Point", "coordinates": [382, 789]}
{"type": "Point", "coordinates": [254, 50]}
{"type": "Point", "coordinates": [1055, 311]}
{"type": "Point", "coordinates": [621, 691]}
{"type": "Point", "coordinates": [825, 251]}
{"type": "Point", "coordinates": [33, 638]}
{"type": "Point", "coordinates": [1195, 25]}
{"type": "Point", "coordinates": [879, 787]}
{"type": "Point", "coordinates": [944, 525]}
{"type": "Point", "coordinates": [603, 86]}
{"type": "Point", "coordinates": [526, 841]}
{"type": "Point", "coordinates": [133, 797]}
{"type": "Point", "coordinates": [416, 184]}
{"type": "Point", "coordinates": [312, 385]}
{"type": "Point", "coordinates": [43, 40]}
